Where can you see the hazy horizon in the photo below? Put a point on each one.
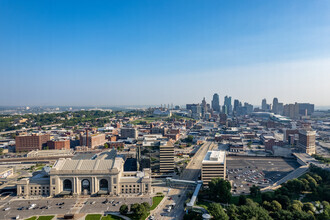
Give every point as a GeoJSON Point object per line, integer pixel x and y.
{"type": "Point", "coordinates": [128, 53]}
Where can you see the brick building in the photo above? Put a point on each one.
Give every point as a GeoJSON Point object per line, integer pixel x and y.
{"type": "Point", "coordinates": [94, 140]}
{"type": "Point", "coordinates": [31, 142]}
{"type": "Point", "coordinates": [58, 144]}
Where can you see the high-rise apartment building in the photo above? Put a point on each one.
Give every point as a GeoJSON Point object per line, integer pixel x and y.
{"type": "Point", "coordinates": [128, 133]}
{"type": "Point", "coordinates": [306, 141]}
{"type": "Point", "coordinates": [216, 103]}
{"type": "Point", "coordinates": [31, 142]}
{"type": "Point", "coordinates": [166, 158]}
{"type": "Point", "coordinates": [213, 166]}
{"type": "Point", "coordinates": [291, 110]}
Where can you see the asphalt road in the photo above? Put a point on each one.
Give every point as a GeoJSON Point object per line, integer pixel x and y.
{"type": "Point", "coordinates": [191, 172]}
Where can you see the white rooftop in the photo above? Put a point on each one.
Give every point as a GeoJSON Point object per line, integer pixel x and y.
{"type": "Point", "coordinates": [215, 157]}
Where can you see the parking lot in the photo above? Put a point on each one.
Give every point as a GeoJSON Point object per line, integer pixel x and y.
{"type": "Point", "coordinates": [52, 206]}
{"type": "Point", "coordinates": [244, 172]}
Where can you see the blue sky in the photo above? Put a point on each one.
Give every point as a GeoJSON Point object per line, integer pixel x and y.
{"type": "Point", "coordinates": [106, 53]}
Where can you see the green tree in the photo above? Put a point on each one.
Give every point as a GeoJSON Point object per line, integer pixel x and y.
{"type": "Point", "coordinates": [253, 212]}
{"type": "Point", "coordinates": [146, 206]}
{"type": "Point", "coordinates": [192, 216]}
{"type": "Point", "coordinates": [1, 151]}
{"type": "Point", "coordinates": [138, 210]}
{"type": "Point", "coordinates": [189, 139]}
{"type": "Point", "coordinates": [106, 146]}
{"type": "Point", "coordinates": [267, 196]}
{"type": "Point", "coordinates": [305, 185]}
{"type": "Point", "coordinates": [217, 212]}
{"type": "Point", "coordinates": [123, 209]}
{"type": "Point", "coordinates": [296, 206]}
{"type": "Point", "coordinates": [308, 207]}
{"type": "Point", "coordinates": [242, 200]}
{"type": "Point", "coordinates": [295, 185]}
{"type": "Point", "coordinates": [267, 205]}
{"type": "Point", "coordinates": [254, 191]}
{"type": "Point", "coordinates": [219, 190]}
{"type": "Point", "coordinates": [232, 212]}
{"type": "Point", "coordinates": [282, 215]}
{"type": "Point", "coordinates": [283, 200]}
{"type": "Point", "coordinates": [275, 206]}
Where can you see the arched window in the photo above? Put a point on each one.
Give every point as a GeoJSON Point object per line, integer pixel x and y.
{"type": "Point", "coordinates": [67, 185]}
{"type": "Point", "coordinates": [85, 185]}
{"type": "Point", "coordinates": [103, 184]}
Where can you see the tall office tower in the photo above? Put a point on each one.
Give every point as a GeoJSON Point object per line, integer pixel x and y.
{"type": "Point", "coordinates": [306, 109]}
{"type": "Point", "coordinates": [249, 108]}
{"type": "Point", "coordinates": [213, 166]}
{"type": "Point", "coordinates": [166, 158]}
{"type": "Point", "coordinates": [264, 105]}
{"type": "Point", "coordinates": [224, 110]}
{"type": "Point", "coordinates": [216, 103]}
{"type": "Point", "coordinates": [275, 106]}
{"type": "Point", "coordinates": [31, 142]}
{"type": "Point", "coordinates": [204, 107]}
{"type": "Point", "coordinates": [236, 106]}
{"type": "Point", "coordinates": [227, 103]}
{"type": "Point", "coordinates": [306, 141]}
{"type": "Point", "coordinates": [280, 108]}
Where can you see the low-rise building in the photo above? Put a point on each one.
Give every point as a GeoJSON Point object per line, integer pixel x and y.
{"type": "Point", "coordinates": [128, 133]}
{"type": "Point", "coordinates": [103, 175]}
{"type": "Point", "coordinates": [306, 141]}
{"type": "Point", "coordinates": [58, 144]}
{"type": "Point", "coordinates": [94, 140]}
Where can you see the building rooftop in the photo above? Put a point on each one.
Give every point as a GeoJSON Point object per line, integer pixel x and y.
{"type": "Point", "coordinates": [215, 157]}
{"type": "Point", "coordinates": [102, 162]}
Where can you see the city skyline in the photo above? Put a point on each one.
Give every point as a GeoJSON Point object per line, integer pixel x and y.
{"type": "Point", "coordinates": [115, 53]}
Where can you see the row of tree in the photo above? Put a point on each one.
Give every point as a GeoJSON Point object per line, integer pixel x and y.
{"type": "Point", "coordinates": [280, 204]}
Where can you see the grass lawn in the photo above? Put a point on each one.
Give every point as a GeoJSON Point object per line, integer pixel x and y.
{"type": "Point", "coordinates": [46, 217]}
{"type": "Point", "coordinates": [155, 201]}
{"type": "Point", "coordinates": [133, 217]}
{"type": "Point", "coordinates": [147, 119]}
{"type": "Point", "coordinates": [93, 217]}
{"type": "Point", "coordinates": [32, 218]}
{"type": "Point", "coordinates": [111, 217]}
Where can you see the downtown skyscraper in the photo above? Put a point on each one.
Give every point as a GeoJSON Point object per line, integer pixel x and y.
{"type": "Point", "coordinates": [216, 103]}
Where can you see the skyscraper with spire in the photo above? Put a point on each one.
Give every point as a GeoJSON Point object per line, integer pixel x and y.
{"type": "Point", "coordinates": [204, 107]}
